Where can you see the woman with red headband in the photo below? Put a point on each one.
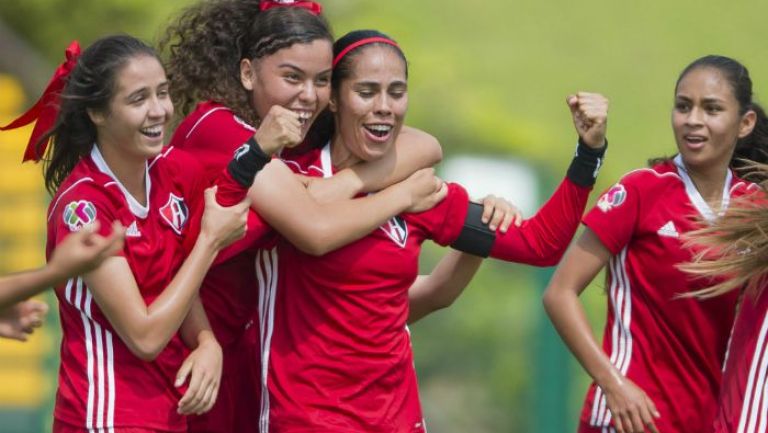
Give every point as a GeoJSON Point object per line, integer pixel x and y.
{"type": "Point", "coordinates": [278, 78]}
{"type": "Point", "coordinates": [120, 348]}
{"type": "Point", "coordinates": [338, 354]}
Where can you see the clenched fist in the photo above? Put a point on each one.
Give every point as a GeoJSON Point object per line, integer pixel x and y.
{"type": "Point", "coordinates": [590, 117]}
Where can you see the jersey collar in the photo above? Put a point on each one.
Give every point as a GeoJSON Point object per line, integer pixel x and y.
{"type": "Point", "coordinates": [696, 198]}
{"type": "Point", "coordinates": [136, 208]}
{"type": "Point", "coordinates": [325, 160]}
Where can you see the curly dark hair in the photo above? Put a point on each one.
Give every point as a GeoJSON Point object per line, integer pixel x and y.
{"type": "Point", "coordinates": [204, 45]}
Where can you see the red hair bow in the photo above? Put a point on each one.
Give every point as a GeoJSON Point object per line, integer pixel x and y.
{"type": "Point", "coordinates": [46, 108]}
{"type": "Point", "coordinates": [311, 6]}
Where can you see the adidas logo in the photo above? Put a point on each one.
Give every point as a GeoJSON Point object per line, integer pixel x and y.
{"type": "Point", "coordinates": [668, 230]}
{"type": "Point", "coordinates": [132, 231]}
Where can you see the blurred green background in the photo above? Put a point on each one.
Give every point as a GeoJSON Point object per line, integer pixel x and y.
{"type": "Point", "coordinates": [487, 78]}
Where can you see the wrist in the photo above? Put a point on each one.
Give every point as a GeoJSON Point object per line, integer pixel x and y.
{"type": "Point", "coordinates": [586, 164]}
{"type": "Point", "coordinates": [352, 180]}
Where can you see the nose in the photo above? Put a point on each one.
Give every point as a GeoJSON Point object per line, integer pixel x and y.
{"type": "Point", "coordinates": [156, 107]}
{"type": "Point", "coordinates": [308, 94]}
{"type": "Point", "coordinates": [383, 105]}
{"type": "Point", "coordinates": [694, 117]}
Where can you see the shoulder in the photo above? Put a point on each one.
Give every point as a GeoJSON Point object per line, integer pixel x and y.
{"type": "Point", "coordinates": [211, 118]}
{"type": "Point", "coordinates": [82, 195]}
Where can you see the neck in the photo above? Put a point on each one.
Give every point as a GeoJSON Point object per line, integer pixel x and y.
{"type": "Point", "coordinates": [341, 157]}
{"type": "Point", "coordinates": [710, 182]}
{"type": "Point", "coordinates": [131, 172]}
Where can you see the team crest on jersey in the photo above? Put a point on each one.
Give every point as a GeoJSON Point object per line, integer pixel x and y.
{"type": "Point", "coordinates": [397, 230]}
{"type": "Point", "coordinates": [614, 197]}
{"type": "Point", "coordinates": [78, 214]}
{"type": "Point", "coordinates": [175, 213]}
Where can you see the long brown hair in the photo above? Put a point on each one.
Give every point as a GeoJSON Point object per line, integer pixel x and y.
{"type": "Point", "coordinates": [90, 86]}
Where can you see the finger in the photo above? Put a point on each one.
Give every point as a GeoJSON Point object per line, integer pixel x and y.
{"type": "Point", "coordinates": [518, 217]}
{"type": "Point", "coordinates": [210, 195]}
{"type": "Point", "coordinates": [207, 401]}
{"type": "Point", "coordinates": [573, 102]}
{"type": "Point", "coordinates": [652, 407]}
{"type": "Point", "coordinates": [509, 217]}
{"type": "Point", "coordinates": [637, 421]}
{"type": "Point", "coordinates": [442, 192]}
{"type": "Point", "coordinates": [181, 376]}
{"type": "Point", "coordinates": [488, 206]}
{"type": "Point", "coordinates": [645, 414]}
{"type": "Point", "coordinates": [618, 424]}
{"type": "Point", "coordinates": [195, 391]}
{"type": "Point", "coordinates": [498, 217]}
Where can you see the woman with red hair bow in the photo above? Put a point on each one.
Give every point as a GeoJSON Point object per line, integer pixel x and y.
{"type": "Point", "coordinates": [106, 112]}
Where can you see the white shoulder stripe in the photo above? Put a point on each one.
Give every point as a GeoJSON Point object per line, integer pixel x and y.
{"type": "Point", "coordinates": [267, 274]}
{"type": "Point", "coordinates": [207, 113]}
{"type": "Point", "coordinates": [755, 394]}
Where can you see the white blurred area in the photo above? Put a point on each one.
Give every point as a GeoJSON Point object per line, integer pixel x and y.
{"type": "Point", "coordinates": [510, 178]}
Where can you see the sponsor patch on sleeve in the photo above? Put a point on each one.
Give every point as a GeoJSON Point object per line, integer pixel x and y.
{"type": "Point", "coordinates": [78, 214]}
{"type": "Point", "coordinates": [613, 198]}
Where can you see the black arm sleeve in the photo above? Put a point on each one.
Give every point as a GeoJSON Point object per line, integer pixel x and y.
{"type": "Point", "coordinates": [248, 160]}
{"type": "Point", "coordinates": [586, 163]}
{"type": "Point", "coordinates": [475, 237]}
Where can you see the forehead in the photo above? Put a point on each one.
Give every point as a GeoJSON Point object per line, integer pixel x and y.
{"type": "Point", "coordinates": [315, 55]}
{"type": "Point", "coordinates": [705, 82]}
{"type": "Point", "coordinates": [379, 60]}
{"type": "Point", "coordinates": [139, 71]}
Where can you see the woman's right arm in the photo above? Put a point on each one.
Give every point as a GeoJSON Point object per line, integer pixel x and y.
{"type": "Point", "coordinates": [631, 408]}
{"type": "Point", "coordinates": [284, 202]}
{"type": "Point", "coordinates": [147, 329]}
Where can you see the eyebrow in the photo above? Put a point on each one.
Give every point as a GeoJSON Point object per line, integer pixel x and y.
{"type": "Point", "coordinates": [165, 83]}
{"type": "Point", "coordinates": [705, 100]}
{"type": "Point", "coordinates": [298, 69]}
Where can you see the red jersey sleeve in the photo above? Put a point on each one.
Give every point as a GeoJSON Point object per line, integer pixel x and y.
{"type": "Point", "coordinates": [82, 205]}
{"type": "Point", "coordinates": [615, 216]}
{"type": "Point", "coordinates": [444, 222]}
{"type": "Point", "coordinates": [542, 239]}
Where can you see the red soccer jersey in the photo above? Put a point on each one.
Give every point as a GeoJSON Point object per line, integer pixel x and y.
{"type": "Point", "coordinates": [742, 403]}
{"type": "Point", "coordinates": [102, 384]}
{"type": "Point", "coordinates": [230, 290]}
{"type": "Point", "coordinates": [336, 350]}
{"type": "Point", "coordinates": [671, 348]}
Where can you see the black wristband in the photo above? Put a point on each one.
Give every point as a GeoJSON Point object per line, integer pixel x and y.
{"type": "Point", "coordinates": [586, 164]}
{"type": "Point", "coordinates": [248, 160]}
{"type": "Point", "coordinates": [475, 237]}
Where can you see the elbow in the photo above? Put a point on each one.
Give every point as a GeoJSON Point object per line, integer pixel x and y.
{"type": "Point", "coordinates": [145, 348]}
{"type": "Point", "coordinates": [314, 245]}
{"type": "Point", "coordinates": [549, 299]}
{"type": "Point", "coordinates": [434, 150]}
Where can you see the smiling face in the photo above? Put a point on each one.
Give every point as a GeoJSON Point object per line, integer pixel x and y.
{"type": "Point", "coordinates": [370, 105]}
{"type": "Point", "coordinates": [706, 119]}
{"type": "Point", "coordinates": [133, 127]}
{"type": "Point", "coordinates": [297, 78]}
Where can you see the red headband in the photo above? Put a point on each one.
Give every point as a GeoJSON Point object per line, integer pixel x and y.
{"type": "Point", "coordinates": [361, 42]}
{"type": "Point", "coordinates": [46, 108]}
{"type": "Point", "coordinates": [311, 6]}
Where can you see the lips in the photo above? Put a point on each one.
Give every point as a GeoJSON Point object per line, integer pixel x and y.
{"type": "Point", "coordinates": [378, 132]}
{"type": "Point", "coordinates": [694, 141]}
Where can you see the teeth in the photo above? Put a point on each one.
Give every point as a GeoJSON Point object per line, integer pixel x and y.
{"type": "Point", "coordinates": [153, 131]}
{"type": "Point", "coordinates": [379, 128]}
{"type": "Point", "coordinates": [304, 116]}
